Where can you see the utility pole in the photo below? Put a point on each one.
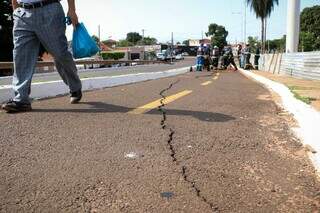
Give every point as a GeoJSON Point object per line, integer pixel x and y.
{"type": "Point", "coordinates": [143, 30]}
{"type": "Point", "coordinates": [202, 34]}
{"type": "Point", "coordinates": [171, 47]}
{"type": "Point", "coordinates": [99, 40]}
{"type": "Point", "coordinates": [293, 26]}
{"type": "Point", "coordinates": [245, 23]}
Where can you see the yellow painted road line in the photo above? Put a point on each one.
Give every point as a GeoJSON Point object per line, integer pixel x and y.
{"type": "Point", "coordinates": [206, 83]}
{"type": "Point", "coordinates": [157, 103]}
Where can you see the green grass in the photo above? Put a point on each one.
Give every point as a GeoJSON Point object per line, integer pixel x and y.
{"type": "Point", "coordinates": [300, 88]}
{"type": "Point", "coordinates": [305, 99]}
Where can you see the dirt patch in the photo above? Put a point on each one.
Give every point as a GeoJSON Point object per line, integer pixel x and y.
{"type": "Point", "coordinates": [308, 89]}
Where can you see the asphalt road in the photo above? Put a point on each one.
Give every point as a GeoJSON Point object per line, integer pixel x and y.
{"type": "Point", "coordinates": [91, 73]}
{"type": "Point", "coordinates": [219, 144]}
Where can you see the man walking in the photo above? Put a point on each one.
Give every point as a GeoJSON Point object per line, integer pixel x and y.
{"type": "Point", "coordinates": [35, 22]}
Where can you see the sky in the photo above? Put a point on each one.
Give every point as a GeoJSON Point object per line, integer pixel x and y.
{"type": "Point", "coordinates": [187, 19]}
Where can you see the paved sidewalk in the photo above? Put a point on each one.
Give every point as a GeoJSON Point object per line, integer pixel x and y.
{"type": "Point", "coordinates": [219, 144]}
{"type": "Point", "coordinates": [305, 90]}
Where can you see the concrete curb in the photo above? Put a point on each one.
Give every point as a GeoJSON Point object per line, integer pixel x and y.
{"type": "Point", "coordinates": [55, 88]}
{"type": "Point", "coordinates": [306, 116]}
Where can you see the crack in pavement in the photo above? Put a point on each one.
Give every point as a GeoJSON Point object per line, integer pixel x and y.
{"type": "Point", "coordinates": [173, 151]}
{"type": "Point", "coordinates": [164, 119]}
{"type": "Point", "coordinates": [197, 190]}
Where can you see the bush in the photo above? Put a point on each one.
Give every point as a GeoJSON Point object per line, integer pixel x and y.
{"type": "Point", "coordinates": [114, 56]}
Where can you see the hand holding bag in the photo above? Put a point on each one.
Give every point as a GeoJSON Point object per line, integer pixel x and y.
{"type": "Point", "coordinates": [82, 44]}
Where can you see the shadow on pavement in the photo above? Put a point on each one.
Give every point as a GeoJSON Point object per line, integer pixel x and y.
{"type": "Point", "coordinates": [100, 107]}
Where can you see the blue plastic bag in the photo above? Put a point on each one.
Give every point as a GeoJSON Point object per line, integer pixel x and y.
{"type": "Point", "coordinates": [82, 44]}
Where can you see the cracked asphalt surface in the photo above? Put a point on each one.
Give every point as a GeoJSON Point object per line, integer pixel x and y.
{"type": "Point", "coordinates": [226, 147]}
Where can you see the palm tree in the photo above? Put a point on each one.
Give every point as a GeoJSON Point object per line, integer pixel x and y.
{"type": "Point", "coordinates": [263, 10]}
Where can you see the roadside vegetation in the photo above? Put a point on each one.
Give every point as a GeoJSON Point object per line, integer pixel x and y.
{"type": "Point", "coordinates": [263, 10]}
{"type": "Point", "coordinates": [307, 100]}
{"type": "Point", "coordinates": [112, 55]}
{"type": "Point", "coordinates": [309, 35]}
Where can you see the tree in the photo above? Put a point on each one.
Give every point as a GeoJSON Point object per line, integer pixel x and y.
{"type": "Point", "coordinates": [307, 42]}
{"type": "Point", "coordinates": [310, 20]}
{"type": "Point", "coordinates": [263, 10]}
{"type": "Point", "coordinates": [276, 45]}
{"type": "Point", "coordinates": [148, 41]}
{"type": "Point", "coordinates": [310, 29]}
{"type": "Point", "coordinates": [254, 43]}
{"type": "Point", "coordinates": [134, 37]}
{"type": "Point", "coordinates": [124, 43]}
{"type": "Point", "coordinates": [6, 25]}
{"type": "Point", "coordinates": [186, 42]}
{"type": "Point", "coordinates": [218, 35]}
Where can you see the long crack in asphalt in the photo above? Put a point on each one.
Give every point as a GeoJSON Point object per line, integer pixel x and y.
{"type": "Point", "coordinates": [164, 119]}
{"type": "Point", "coordinates": [173, 152]}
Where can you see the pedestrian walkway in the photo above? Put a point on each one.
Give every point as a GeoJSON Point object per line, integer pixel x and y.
{"type": "Point", "coordinates": [196, 142]}
{"type": "Point", "coordinates": [306, 90]}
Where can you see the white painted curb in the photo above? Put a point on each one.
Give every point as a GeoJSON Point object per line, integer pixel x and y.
{"type": "Point", "coordinates": [54, 88]}
{"type": "Point", "coordinates": [307, 117]}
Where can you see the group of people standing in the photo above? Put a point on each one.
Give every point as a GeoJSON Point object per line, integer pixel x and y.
{"type": "Point", "coordinates": [244, 57]}
{"type": "Point", "coordinates": [208, 58]}
{"type": "Point", "coordinates": [215, 58]}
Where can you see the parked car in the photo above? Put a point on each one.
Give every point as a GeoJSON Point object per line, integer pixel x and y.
{"type": "Point", "coordinates": [185, 54]}
{"type": "Point", "coordinates": [135, 63]}
{"type": "Point", "coordinates": [179, 57]}
{"type": "Point", "coordinates": [90, 66]}
{"type": "Point", "coordinates": [161, 57]}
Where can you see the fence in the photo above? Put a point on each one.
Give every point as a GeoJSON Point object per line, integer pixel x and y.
{"type": "Point", "coordinates": [302, 65]}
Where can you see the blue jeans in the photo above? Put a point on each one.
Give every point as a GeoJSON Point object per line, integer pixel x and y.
{"type": "Point", "coordinates": [45, 25]}
{"type": "Point", "coordinates": [242, 61]}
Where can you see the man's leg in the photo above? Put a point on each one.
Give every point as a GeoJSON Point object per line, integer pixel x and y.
{"type": "Point", "coordinates": [243, 61]}
{"type": "Point", "coordinates": [51, 33]}
{"type": "Point", "coordinates": [234, 64]}
{"type": "Point", "coordinates": [256, 62]}
{"type": "Point", "coordinates": [61, 71]}
{"type": "Point", "coordinates": [25, 55]}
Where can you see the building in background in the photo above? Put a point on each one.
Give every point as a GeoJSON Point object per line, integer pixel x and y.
{"type": "Point", "coordinates": [198, 42]}
{"type": "Point", "coordinates": [110, 43]}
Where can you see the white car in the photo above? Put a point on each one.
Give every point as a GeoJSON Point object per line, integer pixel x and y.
{"type": "Point", "coordinates": [179, 57]}
{"type": "Point", "coordinates": [90, 66]}
{"type": "Point", "coordinates": [135, 63]}
{"type": "Point", "coordinates": [161, 57]}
